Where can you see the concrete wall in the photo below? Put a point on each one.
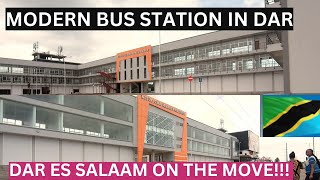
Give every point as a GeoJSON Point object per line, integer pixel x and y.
{"type": "Point", "coordinates": [199, 158]}
{"type": "Point", "coordinates": [246, 83]}
{"type": "Point", "coordinates": [301, 61]}
{"type": "Point", "coordinates": [24, 148]}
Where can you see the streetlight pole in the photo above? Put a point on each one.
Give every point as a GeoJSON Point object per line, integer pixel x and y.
{"type": "Point", "coordinates": [239, 152]}
{"type": "Point", "coordinates": [64, 75]}
{"type": "Point", "coordinates": [313, 145]}
{"type": "Point", "coordinates": [287, 152]}
{"type": "Point", "coordinates": [160, 61]}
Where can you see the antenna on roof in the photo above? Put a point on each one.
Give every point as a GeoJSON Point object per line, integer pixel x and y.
{"type": "Point", "coordinates": [35, 47]}
{"type": "Point", "coordinates": [221, 123]}
{"type": "Point", "coordinates": [222, 126]}
{"type": "Point", "coordinates": [60, 49]}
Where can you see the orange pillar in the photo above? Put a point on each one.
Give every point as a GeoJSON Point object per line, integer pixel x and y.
{"type": "Point", "coordinates": [143, 109]}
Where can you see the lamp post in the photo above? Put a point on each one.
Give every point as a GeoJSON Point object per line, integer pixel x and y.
{"type": "Point", "coordinates": [64, 76]}
{"type": "Point", "coordinates": [160, 62]}
{"type": "Point", "coordinates": [239, 151]}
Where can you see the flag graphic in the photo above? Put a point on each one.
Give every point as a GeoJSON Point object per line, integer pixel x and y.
{"type": "Point", "coordinates": [291, 116]}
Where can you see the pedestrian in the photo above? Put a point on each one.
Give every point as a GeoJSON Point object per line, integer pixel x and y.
{"type": "Point", "coordinates": [297, 166]}
{"type": "Point", "coordinates": [312, 166]}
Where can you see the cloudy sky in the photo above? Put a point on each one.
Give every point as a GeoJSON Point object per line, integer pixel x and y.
{"type": "Point", "coordinates": [87, 46]}
{"type": "Point", "coordinates": [239, 112]}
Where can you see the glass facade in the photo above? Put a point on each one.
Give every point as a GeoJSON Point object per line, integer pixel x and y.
{"type": "Point", "coordinates": [207, 142]}
{"type": "Point", "coordinates": [94, 104]}
{"type": "Point", "coordinates": [218, 66]}
{"type": "Point", "coordinates": [19, 114]}
{"type": "Point", "coordinates": [159, 130]}
{"type": "Point", "coordinates": [24, 74]}
{"type": "Point", "coordinates": [206, 51]}
{"type": "Point", "coordinates": [207, 148]}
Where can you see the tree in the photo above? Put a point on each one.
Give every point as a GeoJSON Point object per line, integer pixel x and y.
{"type": "Point", "coordinates": [277, 160]}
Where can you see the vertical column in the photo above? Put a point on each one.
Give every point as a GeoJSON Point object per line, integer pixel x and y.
{"type": "Point", "coordinates": [60, 121]}
{"type": "Point", "coordinates": [34, 116]}
{"type": "Point", "coordinates": [130, 88]}
{"type": "Point", "coordinates": [1, 111]}
{"type": "Point", "coordinates": [153, 156]}
{"type": "Point", "coordinates": [101, 107]}
{"type": "Point", "coordinates": [102, 129]}
{"type": "Point", "coordinates": [61, 99]}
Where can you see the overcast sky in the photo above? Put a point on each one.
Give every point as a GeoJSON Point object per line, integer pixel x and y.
{"type": "Point", "coordinates": [87, 46]}
{"type": "Point", "coordinates": [239, 112]}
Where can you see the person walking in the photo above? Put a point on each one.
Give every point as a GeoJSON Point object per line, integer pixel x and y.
{"type": "Point", "coordinates": [297, 166]}
{"type": "Point", "coordinates": [312, 166]}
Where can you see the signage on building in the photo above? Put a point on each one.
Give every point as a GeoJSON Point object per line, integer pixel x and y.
{"type": "Point", "coordinates": [133, 53]}
{"type": "Point", "coordinates": [162, 104]}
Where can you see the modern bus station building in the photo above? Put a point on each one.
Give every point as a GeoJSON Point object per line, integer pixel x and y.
{"type": "Point", "coordinates": [62, 128]}
{"type": "Point", "coordinates": [221, 62]}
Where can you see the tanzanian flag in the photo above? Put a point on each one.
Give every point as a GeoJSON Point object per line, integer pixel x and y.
{"type": "Point", "coordinates": [291, 116]}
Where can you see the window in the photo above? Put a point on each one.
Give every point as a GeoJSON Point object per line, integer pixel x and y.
{"type": "Point", "coordinates": [119, 76]}
{"type": "Point", "coordinates": [125, 64]}
{"type": "Point", "coordinates": [5, 91]}
{"type": "Point", "coordinates": [190, 70]}
{"type": "Point", "coordinates": [26, 91]}
{"type": "Point", "coordinates": [17, 70]}
{"type": "Point", "coordinates": [125, 75]}
{"type": "Point", "coordinates": [47, 119]}
{"type": "Point", "coordinates": [249, 64]}
{"type": "Point", "coordinates": [131, 74]}
{"type": "Point", "coordinates": [117, 110]}
{"type": "Point", "coordinates": [144, 60]}
{"type": "Point", "coordinates": [86, 103]}
{"type": "Point", "coordinates": [17, 113]}
{"type": "Point", "coordinates": [138, 74]}
{"type": "Point", "coordinates": [145, 73]}
{"type": "Point", "coordinates": [137, 61]}
{"type": "Point", "coordinates": [180, 72]}
{"type": "Point", "coordinates": [268, 62]}
{"type": "Point", "coordinates": [36, 91]}
{"type": "Point", "coordinates": [4, 69]}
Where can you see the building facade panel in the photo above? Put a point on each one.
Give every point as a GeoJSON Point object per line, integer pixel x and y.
{"type": "Point", "coordinates": [46, 149]}
{"type": "Point", "coordinates": [111, 153]}
{"type": "Point", "coordinates": [245, 83]}
{"type": "Point", "coordinates": [111, 129]}
{"type": "Point", "coordinates": [17, 148]}
{"type": "Point", "coordinates": [264, 82]}
{"type": "Point", "coordinates": [93, 152]}
{"type": "Point", "coordinates": [72, 151]}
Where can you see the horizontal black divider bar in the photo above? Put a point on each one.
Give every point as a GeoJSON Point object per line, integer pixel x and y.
{"type": "Point", "coordinates": [149, 19]}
